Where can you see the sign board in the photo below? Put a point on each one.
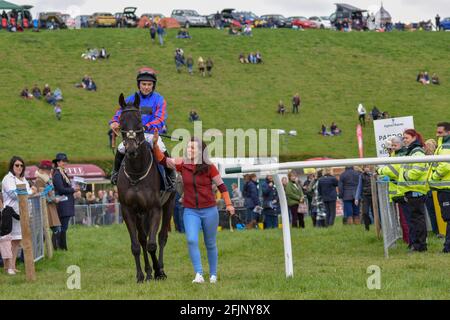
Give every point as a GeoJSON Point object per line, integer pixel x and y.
{"type": "Point", "coordinates": [387, 128]}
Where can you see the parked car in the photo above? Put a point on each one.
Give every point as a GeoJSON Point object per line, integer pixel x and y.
{"type": "Point", "coordinates": [276, 20]}
{"type": "Point", "coordinates": [82, 21]}
{"type": "Point", "coordinates": [155, 17]}
{"type": "Point", "coordinates": [127, 18]}
{"type": "Point", "coordinates": [51, 20]}
{"type": "Point", "coordinates": [323, 21]}
{"type": "Point", "coordinates": [445, 24]}
{"type": "Point", "coordinates": [102, 19]}
{"type": "Point", "coordinates": [189, 18]}
{"type": "Point", "coordinates": [303, 22]}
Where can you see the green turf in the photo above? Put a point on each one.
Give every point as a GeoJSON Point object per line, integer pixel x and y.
{"type": "Point", "coordinates": [332, 71]}
{"type": "Point", "coordinates": [328, 264]}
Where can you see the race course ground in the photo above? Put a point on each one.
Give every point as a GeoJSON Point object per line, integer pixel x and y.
{"type": "Point", "coordinates": [328, 264]}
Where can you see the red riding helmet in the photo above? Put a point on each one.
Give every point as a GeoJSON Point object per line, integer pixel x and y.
{"type": "Point", "coordinates": [146, 74]}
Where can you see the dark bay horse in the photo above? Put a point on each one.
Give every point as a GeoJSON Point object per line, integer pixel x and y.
{"type": "Point", "coordinates": [143, 205]}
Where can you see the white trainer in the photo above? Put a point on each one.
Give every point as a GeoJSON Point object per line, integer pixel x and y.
{"type": "Point", "coordinates": [198, 278]}
{"type": "Point", "coordinates": [10, 272]}
{"type": "Point", "coordinates": [213, 279]}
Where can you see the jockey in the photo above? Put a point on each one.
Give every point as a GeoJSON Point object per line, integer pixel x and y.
{"type": "Point", "coordinates": [154, 115]}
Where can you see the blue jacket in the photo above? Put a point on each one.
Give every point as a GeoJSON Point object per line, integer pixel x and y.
{"type": "Point", "coordinates": [348, 184]}
{"type": "Point", "coordinates": [62, 188]}
{"type": "Point", "coordinates": [269, 194]}
{"type": "Point", "coordinates": [251, 195]}
{"type": "Point", "coordinates": [153, 110]}
{"type": "Point", "coordinates": [327, 188]}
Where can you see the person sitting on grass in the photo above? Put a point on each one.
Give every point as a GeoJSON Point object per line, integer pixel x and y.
{"type": "Point", "coordinates": [46, 90]}
{"type": "Point", "coordinates": [323, 131]}
{"type": "Point", "coordinates": [183, 34]}
{"type": "Point", "coordinates": [91, 86]}
{"type": "Point", "coordinates": [258, 57]}
{"type": "Point", "coordinates": [50, 99]}
{"type": "Point", "coordinates": [58, 94]}
{"type": "Point", "coordinates": [335, 130]}
{"type": "Point", "coordinates": [435, 79]}
{"type": "Point", "coordinates": [36, 92]}
{"type": "Point", "coordinates": [25, 94]}
{"type": "Point", "coordinates": [103, 54]}
{"type": "Point", "coordinates": [242, 58]}
{"type": "Point", "coordinates": [247, 30]}
{"type": "Point", "coordinates": [281, 108]}
{"type": "Point", "coordinates": [193, 116]}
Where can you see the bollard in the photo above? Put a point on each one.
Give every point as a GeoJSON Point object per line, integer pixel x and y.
{"type": "Point", "coordinates": [27, 243]}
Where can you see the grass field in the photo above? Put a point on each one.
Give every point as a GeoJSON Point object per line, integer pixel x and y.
{"type": "Point", "coordinates": [328, 264]}
{"type": "Point", "coordinates": [332, 71]}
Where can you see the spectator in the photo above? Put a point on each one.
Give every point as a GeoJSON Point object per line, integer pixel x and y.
{"type": "Point", "coordinates": [7, 215]}
{"type": "Point", "coordinates": [36, 92]}
{"type": "Point", "coordinates": [50, 99]}
{"type": "Point", "coordinates": [218, 20]}
{"type": "Point", "coordinates": [46, 90]}
{"type": "Point", "coordinates": [430, 148]}
{"type": "Point", "coordinates": [193, 116]}
{"type": "Point", "coordinates": [153, 32]}
{"type": "Point", "coordinates": [251, 200]}
{"type": "Point", "coordinates": [190, 64]}
{"type": "Point", "coordinates": [362, 115]}
{"type": "Point", "coordinates": [103, 54]}
{"type": "Point", "coordinates": [348, 185]}
{"type": "Point", "coordinates": [411, 180]}
{"type": "Point", "coordinates": [57, 94]}
{"type": "Point", "coordinates": [91, 86]}
{"type": "Point", "coordinates": [296, 103]}
{"type": "Point", "coordinates": [236, 193]}
{"type": "Point", "coordinates": [58, 111]}
{"type": "Point", "coordinates": [64, 190]}
{"type": "Point", "coordinates": [26, 94]}
{"type": "Point", "coordinates": [271, 206]}
{"type": "Point", "coordinates": [435, 79]}
{"type": "Point", "coordinates": [326, 189]}
{"type": "Point", "coordinates": [294, 195]}
{"type": "Point", "coordinates": [438, 22]}
{"type": "Point", "coordinates": [183, 34]}
{"type": "Point", "coordinates": [15, 176]}
{"type": "Point", "coordinates": [242, 58]}
{"type": "Point", "coordinates": [201, 66]}
{"type": "Point", "coordinates": [247, 30]}
{"type": "Point", "coordinates": [43, 182]}
{"type": "Point", "coordinates": [375, 113]}
{"type": "Point", "coordinates": [281, 108]}
{"type": "Point", "coordinates": [308, 193]}
{"type": "Point", "coordinates": [161, 32]}
{"type": "Point", "coordinates": [251, 58]}
{"type": "Point", "coordinates": [318, 212]}
{"type": "Point", "coordinates": [284, 182]}
{"type": "Point", "coordinates": [366, 195]}
{"type": "Point", "coordinates": [179, 59]}
{"type": "Point", "coordinates": [258, 57]}
{"type": "Point", "coordinates": [335, 131]}
{"type": "Point", "coordinates": [423, 78]}
{"type": "Point", "coordinates": [209, 66]}
{"type": "Point", "coordinates": [385, 115]}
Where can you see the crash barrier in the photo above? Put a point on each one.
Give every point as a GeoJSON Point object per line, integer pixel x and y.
{"type": "Point", "coordinates": [37, 227]}
{"type": "Point", "coordinates": [97, 214]}
{"type": "Point", "coordinates": [275, 168]}
{"type": "Point", "coordinates": [389, 217]}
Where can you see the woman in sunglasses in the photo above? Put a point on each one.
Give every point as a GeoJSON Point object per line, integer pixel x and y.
{"type": "Point", "coordinates": [15, 176]}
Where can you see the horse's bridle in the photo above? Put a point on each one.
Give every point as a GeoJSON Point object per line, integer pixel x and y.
{"type": "Point", "coordinates": [132, 135]}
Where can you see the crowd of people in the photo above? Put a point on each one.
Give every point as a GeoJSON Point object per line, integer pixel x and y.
{"type": "Point", "coordinates": [53, 98]}
{"type": "Point", "coordinates": [424, 78]}
{"type": "Point", "coordinates": [334, 130]}
{"type": "Point", "coordinates": [375, 114]}
{"type": "Point", "coordinates": [95, 54]}
{"type": "Point", "coordinates": [87, 83]}
{"type": "Point", "coordinates": [204, 67]}
{"type": "Point", "coordinates": [296, 103]}
{"type": "Point", "coordinates": [252, 57]}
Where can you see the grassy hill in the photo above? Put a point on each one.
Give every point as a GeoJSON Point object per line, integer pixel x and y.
{"type": "Point", "coordinates": [332, 71]}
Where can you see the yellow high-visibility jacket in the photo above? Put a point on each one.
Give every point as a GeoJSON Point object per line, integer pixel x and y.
{"type": "Point", "coordinates": [439, 177]}
{"type": "Point", "coordinates": [413, 176]}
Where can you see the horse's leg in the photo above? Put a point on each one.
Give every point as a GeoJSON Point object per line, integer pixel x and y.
{"type": "Point", "coordinates": [130, 221]}
{"type": "Point", "coordinates": [155, 220]}
{"type": "Point", "coordinates": [167, 209]}
{"type": "Point", "coordinates": [142, 224]}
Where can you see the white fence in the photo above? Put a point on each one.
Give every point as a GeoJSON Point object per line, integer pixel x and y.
{"type": "Point", "coordinates": [37, 227]}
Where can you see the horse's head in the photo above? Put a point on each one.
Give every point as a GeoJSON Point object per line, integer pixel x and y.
{"type": "Point", "coordinates": [131, 125]}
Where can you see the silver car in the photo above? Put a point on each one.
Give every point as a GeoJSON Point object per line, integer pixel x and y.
{"type": "Point", "coordinates": [189, 18]}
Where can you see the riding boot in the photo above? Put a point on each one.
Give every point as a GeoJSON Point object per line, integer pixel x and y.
{"type": "Point", "coordinates": [117, 163]}
{"type": "Point", "coordinates": [171, 176]}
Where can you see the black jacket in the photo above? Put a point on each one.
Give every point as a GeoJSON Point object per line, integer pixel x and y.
{"type": "Point", "coordinates": [348, 184]}
{"type": "Point", "coordinates": [62, 188]}
{"type": "Point", "coordinates": [366, 184]}
{"type": "Point", "coordinates": [6, 216]}
{"type": "Point", "coordinates": [327, 188]}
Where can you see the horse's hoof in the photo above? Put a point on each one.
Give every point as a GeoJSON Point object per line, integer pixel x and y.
{"type": "Point", "coordinates": [140, 278]}
{"type": "Point", "coordinates": [160, 276]}
{"type": "Point", "coordinates": [148, 277]}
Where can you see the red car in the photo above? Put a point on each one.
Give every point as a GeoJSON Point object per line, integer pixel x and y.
{"type": "Point", "coordinates": [303, 22]}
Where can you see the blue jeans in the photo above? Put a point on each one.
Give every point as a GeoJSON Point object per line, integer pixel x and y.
{"type": "Point", "coordinates": [270, 221]}
{"type": "Point", "coordinates": [250, 215]}
{"type": "Point", "coordinates": [208, 220]}
{"type": "Point", "coordinates": [350, 209]}
{"type": "Point", "coordinates": [161, 39]}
